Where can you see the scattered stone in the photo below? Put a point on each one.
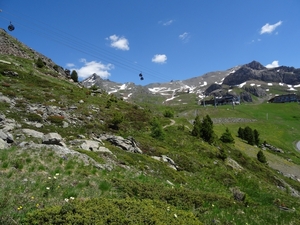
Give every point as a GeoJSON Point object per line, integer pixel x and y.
{"type": "Point", "coordinates": [3, 144]}
{"type": "Point", "coordinates": [33, 133]}
{"type": "Point", "coordinates": [233, 164]}
{"type": "Point", "coordinates": [90, 145]}
{"type": "Point", "coordinates": [238, 195]}
{"type": "Point", "coordinates": [52, 139]}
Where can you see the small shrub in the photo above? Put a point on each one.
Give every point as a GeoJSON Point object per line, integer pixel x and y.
{"type": "Point", "coordinates": [261, 157]}
{"type": "Point", "coordinates": [33, 117]}
{"type": "Point", "coordinates": [181, 127]}
{"type": "Point", "coordinates": [116, 120]}
{"type": "Point", "coordinates": [57, 119]}
{"type": "Point", "coordinates": [39, 63]}
{"type": "Point", "coordinates": [168, 113]}
{"type": "Point", "coordinates": [112, 211]}
{"type": "Point", "coordinates": [222, 154]}
{"type": "Point", "coordinates": [157, 130]}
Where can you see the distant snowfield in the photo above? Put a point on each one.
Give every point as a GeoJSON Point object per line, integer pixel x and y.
{"type": "Point", "coordinates": [169, 92]}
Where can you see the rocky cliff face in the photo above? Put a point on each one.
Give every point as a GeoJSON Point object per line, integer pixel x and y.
{"type": "Point", "coordinates": [11, 46]}
{"type": "Point", "coordinates": [255, 71]}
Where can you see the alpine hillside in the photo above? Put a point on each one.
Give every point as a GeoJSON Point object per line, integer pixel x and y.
{"type": "Point", "coordinates": [213, 149]}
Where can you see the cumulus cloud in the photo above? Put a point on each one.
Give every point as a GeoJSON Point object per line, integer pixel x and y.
{"type": "Point", "coordinates": [118, 42]}
{"type": "Point", "coordinates": [274, 64]}
{"type": "Point", "coordinates": [89, 68]}
{"type": "Point", "coordinates": [159, 58]}
{"type": "Point", "coordinates": [269, 28]}
{"type": "Point", "coordinates": [184, 37]}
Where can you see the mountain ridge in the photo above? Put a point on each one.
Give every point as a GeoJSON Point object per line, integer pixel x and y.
{"type": "Point", "coordinates": [203, 86]}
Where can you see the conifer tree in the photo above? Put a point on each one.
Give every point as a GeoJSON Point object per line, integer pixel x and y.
{"type": "Point", "coordinates": [207, 132]}
{"type": "Point", "coordinates": [261, 157]}
{"type": "Point", "coordinates": [39, 63]}
{"type": "Point", "coordinates": [197, 127]}
{"type": "Point", "coordinates": [256, 137]}
{"type": "Point", "coordinates": [227, 137]}
{"type": "Point", "coordinates": [74, 76]}
{"type": "Point", "coordinates": [241, 133]}
{"type": "Point", "coordinates": [248, 135]}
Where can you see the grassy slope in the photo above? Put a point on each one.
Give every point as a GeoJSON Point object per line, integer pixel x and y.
{"type": "Point", "coordinates": [201, 186]}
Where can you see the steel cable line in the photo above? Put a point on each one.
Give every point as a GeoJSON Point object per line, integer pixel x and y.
{"type": "Point", "coordinates": [58, 36]}
{"type": "Point", "coordinates": [67, 42]}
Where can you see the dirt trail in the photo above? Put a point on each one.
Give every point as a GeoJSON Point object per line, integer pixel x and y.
{"type": "Point", "coordinates": [172, 123]}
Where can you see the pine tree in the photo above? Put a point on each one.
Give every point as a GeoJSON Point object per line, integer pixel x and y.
{"type": "Point", "coordinates": [241, 133]}
{"type": "Point", "coordinates": [207, 132]}
{"type": "Point", "coordinates": [227, 137]}
{"type": "Point", "coordinates": [261, 157]}
{"type": "Point", "coordinates": [248, 135]}
{"type": "Point", "coordinates": [74, 76]}
{"type": "Point", "coordinates": [197, 127]}
{"type": "Point", "coordinates": [39, 63]}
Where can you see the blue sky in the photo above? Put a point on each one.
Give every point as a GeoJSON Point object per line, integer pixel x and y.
{"type": "Point", "coordinates": [164, 39]}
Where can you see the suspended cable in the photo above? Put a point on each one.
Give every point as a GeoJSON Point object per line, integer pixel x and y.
{"type": "Point", "coordinates": [84, 47]}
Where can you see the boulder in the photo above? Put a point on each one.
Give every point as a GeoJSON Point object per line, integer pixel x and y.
{"type": "Point", "coordinates": [33, 133]}
{"type": "Point", "coordinates": [3, 144]}
{"type": "Point", "coordinates": [127, 144]}
{"type": "Point", "coordinates": [5, 136]}
{"type": "Point", "coordinates": [90, 145]}
{"type": "Point", "coordinates": [52, 139]}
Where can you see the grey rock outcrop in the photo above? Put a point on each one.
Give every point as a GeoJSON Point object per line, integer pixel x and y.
{"type": "Point", "coordinates": [53, 139]}
{"type": "Point", "coordinates": [255, 71]}
{"type": "Point", "coordinates": [257, 91]}
{"type": "Point", "coordinates": [127, 144]}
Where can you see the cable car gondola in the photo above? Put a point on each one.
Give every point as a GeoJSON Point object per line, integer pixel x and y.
{"type": "Point", "coordinates": [11, 27]}
{"type": "Point", "coordinates": [141, 76]}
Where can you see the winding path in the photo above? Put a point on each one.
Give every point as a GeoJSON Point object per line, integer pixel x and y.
{"type": "Point", "coordinates": [172, 123]}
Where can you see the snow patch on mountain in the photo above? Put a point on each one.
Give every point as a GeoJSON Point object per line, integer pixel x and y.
{"type": "Point", "coordinates": [242, 85]}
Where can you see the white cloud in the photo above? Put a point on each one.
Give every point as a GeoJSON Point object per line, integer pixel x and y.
{"type": "Point", "coordinates": [168, 23]}
{"type": "Point", "coordinates": [70, 65]}
{"type": "Point", "coordinates": [274, 64]}
{"type": "Point", "coordinates": [269, 28]}
{"type": "Point", "coordinates": [92, 67]}
{"type": "Point", "coordinates": [184, 37]}
{"type": "Point", "coordinates": [118, 42]}
{"type": "Point", "coordinates": [159, 58]}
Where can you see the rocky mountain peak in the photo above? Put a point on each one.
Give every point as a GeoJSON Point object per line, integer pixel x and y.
{"type": "Point", "coordinates": [255, 65]}
{"type": "Point", "coordinates": [256, 71]}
